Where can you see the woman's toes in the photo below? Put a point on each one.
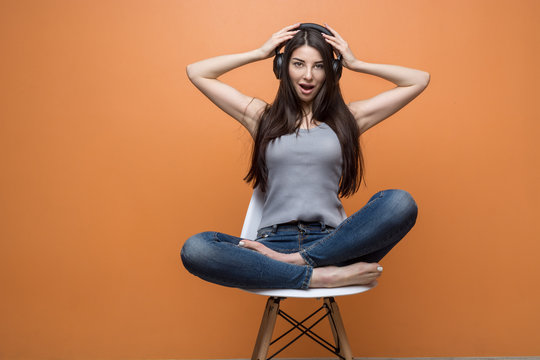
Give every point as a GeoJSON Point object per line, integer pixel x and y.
{"type": "Point", "coordinates": [364, 273]}
{"type": "Point", "coordinates": [354, 274]}
{"type": "Point", "coordinates": [368, 268]}
{"type": "Point", "coordinates": [258, 247]}
{"type": "Point", "coordinates": [248, 244]}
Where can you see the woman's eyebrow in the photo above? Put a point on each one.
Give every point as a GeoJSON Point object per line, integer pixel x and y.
{"type": "Point", "coordinates": [316, 62]}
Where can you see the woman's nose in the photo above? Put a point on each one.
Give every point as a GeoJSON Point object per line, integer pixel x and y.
{"type": "Point", "coordinates": [308, 73]}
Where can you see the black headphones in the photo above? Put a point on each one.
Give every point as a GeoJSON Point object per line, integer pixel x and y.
{"type": "Point", "coordinates": [278, 59]}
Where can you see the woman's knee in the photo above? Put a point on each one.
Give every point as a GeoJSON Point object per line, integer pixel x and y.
{"type": "Point", "coordinates": [402, 204]}
{"type": "Point", "coordinates": [195, 249]}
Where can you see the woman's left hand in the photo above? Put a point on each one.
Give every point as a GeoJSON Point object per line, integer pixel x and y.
{"type": "Point", "coordinates": [341, 46]}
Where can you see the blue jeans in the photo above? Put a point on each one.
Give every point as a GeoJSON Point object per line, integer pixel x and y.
{"type": "Point", "coordinates": [365, 236]}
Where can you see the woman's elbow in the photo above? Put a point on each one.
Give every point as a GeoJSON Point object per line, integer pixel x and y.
{"type": "Point", "coordinates": [190, 72]}
{"type": "Point", "coordinates": [427, 78]}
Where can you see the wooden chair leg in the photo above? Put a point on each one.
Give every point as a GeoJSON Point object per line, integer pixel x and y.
{"type": "Point", "coordinates": [266, 329]}
{"type": "Point", "coordinates": [338, 330]}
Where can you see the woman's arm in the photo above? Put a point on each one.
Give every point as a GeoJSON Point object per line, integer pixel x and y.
{"type": "Point", "coordinates": [246, 109]}
{"type": "Point", "coordinates": [368, 113]}
{"type": "Point", "coordinates": [204, 74]}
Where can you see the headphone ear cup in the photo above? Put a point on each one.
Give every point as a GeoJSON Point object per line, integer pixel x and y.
{"type": "Point", "coordinates": [338, 68]}
{"type": "Point", "coordinates": [278, 63]}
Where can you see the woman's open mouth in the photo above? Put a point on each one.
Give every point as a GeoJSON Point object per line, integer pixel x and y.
{"type": "Point", "coordinates": [306, 89]}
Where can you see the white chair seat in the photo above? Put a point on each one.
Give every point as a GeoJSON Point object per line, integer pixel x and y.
{"type": "Point", "coordinates": [312, 293]}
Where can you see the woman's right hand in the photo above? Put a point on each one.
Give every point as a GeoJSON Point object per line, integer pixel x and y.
{"type": "Point", "coordinates": [268, 48]}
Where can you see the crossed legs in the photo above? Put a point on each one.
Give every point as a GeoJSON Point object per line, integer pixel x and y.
{"type": "Point", "coordinates": [347, 256]}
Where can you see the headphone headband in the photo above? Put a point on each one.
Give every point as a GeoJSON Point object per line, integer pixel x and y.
{"type": "Point", "coordinates": [278, 59]}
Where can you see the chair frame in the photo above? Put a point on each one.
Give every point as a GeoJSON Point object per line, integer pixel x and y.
{"type": "Point", "coordinates": [331, 310]}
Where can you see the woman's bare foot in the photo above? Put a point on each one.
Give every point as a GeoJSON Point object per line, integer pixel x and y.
{"type": "Point", "coordinates": [360, 273]}
{"type": "Point", "coordinates": [294, 258]}
{"type": "Point", "coordinates": [355, 274]}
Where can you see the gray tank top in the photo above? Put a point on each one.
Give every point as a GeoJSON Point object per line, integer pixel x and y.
{"type": "Point", "coordinates": [303, 178]}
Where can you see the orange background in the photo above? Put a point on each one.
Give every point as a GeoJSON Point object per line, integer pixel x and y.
{"type": "Point", "coordinates": [110, 159]}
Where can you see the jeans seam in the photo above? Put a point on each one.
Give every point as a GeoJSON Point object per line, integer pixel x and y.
{"type": "Point", "coordinates": [307, 277]}
{"type": "Point", "coordinates": [306, 258]}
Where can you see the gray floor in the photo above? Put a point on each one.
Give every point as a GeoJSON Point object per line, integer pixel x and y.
{"type": "Point", "coordinates": [423, 358]}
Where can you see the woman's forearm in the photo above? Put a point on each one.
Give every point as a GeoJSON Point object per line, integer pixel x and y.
{"type": "Point", "coordinates": [399, 75]}
{"type": "Point", "coordinates": [214, 67]}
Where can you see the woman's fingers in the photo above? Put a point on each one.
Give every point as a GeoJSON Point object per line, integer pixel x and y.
{"type": "Point", "coordinates": [330, 39]}
{"type": "Point", "coordinates": [278, 38]}
{"type": "Point", "coordinates": [336, 41]}
{"type": "Point", "coordinates": [340, 46]}
{"type": "Point", "coordinates": [288, 28]}
{"type": "Point", "coordinates": [336, 44]}
{"type": "Point", "coordinates": [334, 32]}
{"type": "Point", "coordinates": [286, 33]}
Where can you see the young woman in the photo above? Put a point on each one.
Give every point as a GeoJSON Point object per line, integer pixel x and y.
{"type": "Point", "coordinates": [306, 155]}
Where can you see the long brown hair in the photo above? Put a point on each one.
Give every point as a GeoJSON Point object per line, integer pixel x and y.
{"type": "Point", "coordinates": [282, 117]}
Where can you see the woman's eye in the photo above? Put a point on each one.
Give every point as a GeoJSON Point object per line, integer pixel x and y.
{"type": "Point", "coordinates": [297, 64]}
{"type": "Point", "coordinates": [319, 66]}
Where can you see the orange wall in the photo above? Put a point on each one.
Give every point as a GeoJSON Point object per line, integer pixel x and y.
{"type": "Point", "coordinates": [110, 159]}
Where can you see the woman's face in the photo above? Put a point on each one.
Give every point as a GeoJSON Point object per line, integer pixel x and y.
{"type": "Point", "coordinates": [306, 71]}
